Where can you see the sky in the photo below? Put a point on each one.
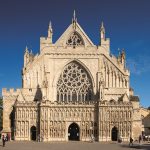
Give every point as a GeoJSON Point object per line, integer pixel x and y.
{"type": "Point", "coordinates": [127, 24]}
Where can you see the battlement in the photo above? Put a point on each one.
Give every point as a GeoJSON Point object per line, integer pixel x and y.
{"type": "Point", "coordinates": [10, 91]}
{"type": "Point", "coordinates": [44, 41]}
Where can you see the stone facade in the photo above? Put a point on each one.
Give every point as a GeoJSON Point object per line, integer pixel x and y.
{"type": "Point", "coordinates": [72, 90]}
{"type": "Point", "coordinates": [145, 116]}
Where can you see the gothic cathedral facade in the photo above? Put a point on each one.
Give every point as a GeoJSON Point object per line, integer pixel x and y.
{"type": "Point", "coordinates": [72, 90]}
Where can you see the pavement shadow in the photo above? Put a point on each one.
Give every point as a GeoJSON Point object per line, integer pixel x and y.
{"type": "Point", "coordinates": [144, 146]}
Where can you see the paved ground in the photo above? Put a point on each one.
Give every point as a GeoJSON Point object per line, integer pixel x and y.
{"type": "Point", "coordinates": [71, 146]}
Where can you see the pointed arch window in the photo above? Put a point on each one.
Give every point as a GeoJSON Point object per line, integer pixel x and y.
{"type": "Point", "coordinates": [75, 40]}
{"type": "Point", "coordinates": [74, 84]}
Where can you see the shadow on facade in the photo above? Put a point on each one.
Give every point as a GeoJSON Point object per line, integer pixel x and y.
{"type": "Point", "coordinates": [38, 122]}
{"type": "Point", "coordinates": [38, 98]}
{"type": "Point", "coordinates": [12, 123]}
{"type": "Point", "coordinates": [146, 123]}
{"type": "Point", "coordinates": [38, 94]}
{"type": "Point", "coordinates": [136, 146]}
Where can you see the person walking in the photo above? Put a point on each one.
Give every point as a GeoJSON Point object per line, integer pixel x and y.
{"type": "Point", "coordinates": [131, 142]}
{"type": "Point", "coordinates": [3, 140]}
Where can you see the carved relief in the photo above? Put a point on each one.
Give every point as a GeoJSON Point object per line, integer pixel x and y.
{"type": "Point", "coordinates": [75, 40]}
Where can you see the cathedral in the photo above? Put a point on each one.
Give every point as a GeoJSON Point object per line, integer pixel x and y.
{"type": "Point", "coordinates": [72, 90]}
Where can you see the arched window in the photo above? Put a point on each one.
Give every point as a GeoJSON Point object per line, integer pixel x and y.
{"type": "Point", "coordinates": [75, 40]}
{"type": "Point", "coordinates": [74, 84]}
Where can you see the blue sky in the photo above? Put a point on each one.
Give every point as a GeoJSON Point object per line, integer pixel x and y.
{"type": "Point", "coordinates": [127, 24]}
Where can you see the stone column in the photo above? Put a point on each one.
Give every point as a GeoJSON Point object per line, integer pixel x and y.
{"type": "Point", "coordinates": [108, 78]}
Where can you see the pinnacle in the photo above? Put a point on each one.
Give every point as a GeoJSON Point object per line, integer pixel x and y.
{"type": "Point", "coordinates": [26, 50]}
{"type": "Point", "coordinates": [74, 19]}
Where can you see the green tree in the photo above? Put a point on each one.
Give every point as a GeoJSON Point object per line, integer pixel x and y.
{"type": "Point", "coordinates": [1, 114]}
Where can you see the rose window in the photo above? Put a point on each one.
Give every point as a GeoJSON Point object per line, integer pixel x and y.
{"type": "Point", "coordinates": [74, 84]}
{"type": "Point", "coordinates": [75, 40]}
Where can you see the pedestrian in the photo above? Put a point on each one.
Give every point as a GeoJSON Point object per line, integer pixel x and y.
{"type": "Point", "coordinates": [119, 140]}
{"type": "Point", "coordinates": [131, 141]}
{"type": "Point", "coordinates": [92, 138]}
{"type": "Point", "coordinates": [140, 138]}
{"type": "Point", "coordinates": [8, 135]}
{"type": "Point", "coordinates": [38, 137]}
{"type": "Point", "coordinates": [3, 140]}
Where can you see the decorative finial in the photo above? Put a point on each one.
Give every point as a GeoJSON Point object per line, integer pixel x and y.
{"type": "Point", "coordinates": [50, 26]}
{"type": "Point", "coordinates": [74, 20]}
{"type": "Point", "coordinates": [74, 15]}
{"type": "Point", "coordinates": [102, 26]}
{"type": "Point", "coordinates": [26, 50]}
{"type": "Point", "coordinates": [123, 54]}
{"type": "Point", "coordinates": [102, 30]}
{"type": "Point", "coordinates": [50, 31]}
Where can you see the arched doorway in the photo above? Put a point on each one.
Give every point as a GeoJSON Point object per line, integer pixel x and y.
{"type": "Point", "coordinates": [73, 132]}
{"type": "Point", "coordinates": [33, 133]}
{"type": "Point", "coordinates": [114, 134]}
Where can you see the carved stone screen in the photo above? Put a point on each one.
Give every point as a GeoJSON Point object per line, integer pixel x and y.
{"type": "Point", "coordinates": [75, 40]}
{"type": "Point", "coordinates": [74, 84]}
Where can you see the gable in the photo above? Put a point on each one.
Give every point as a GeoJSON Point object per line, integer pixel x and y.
{"type": "Point", "coordinates": [20, 97]}
{"type": "Point", "coordinates": [74, 36]}
{"type": "Point", "coordinates": [124, 98]}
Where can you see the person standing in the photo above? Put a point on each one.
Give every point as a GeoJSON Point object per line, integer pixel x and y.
{"type": "Point", "coordinates": [92, 138]}
{"type": "Point", "coordinates": [38, 137]}
{"type": "Point", "coordinates": [140, 138]}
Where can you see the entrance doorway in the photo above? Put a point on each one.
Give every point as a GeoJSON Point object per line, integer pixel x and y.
{"type": "Point", "coordinates": [33, 133]}
{"type": "Point", "coordinates": [114, 134]}
{"type": "Point", "coordinates": [73, 132]}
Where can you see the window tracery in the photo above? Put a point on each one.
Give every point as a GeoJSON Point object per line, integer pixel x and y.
{"type": "Point", "coordinates": [75, 40]}
{"type": "Point", "coordinates": [74, 84]}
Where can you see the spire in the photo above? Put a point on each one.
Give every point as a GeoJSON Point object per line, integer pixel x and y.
{"type": "Point", "coordinates": [74, 15]}
{"type": "Point", "coordinates": [102, 30]}
{"type": "Point", "coordinates": [50, 26]}
{"type": "Point", "coordinates": [102, 25]}
{"type": "Point", "coordinates": [50, 31]}
{"type": "Point", "coordinates": [26, 56]}
{"type": "Point", "coordinates": [74, 19]}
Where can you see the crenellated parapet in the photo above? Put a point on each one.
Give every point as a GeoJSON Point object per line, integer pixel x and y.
{"type": "Point", "coordinates": [10, 92]}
